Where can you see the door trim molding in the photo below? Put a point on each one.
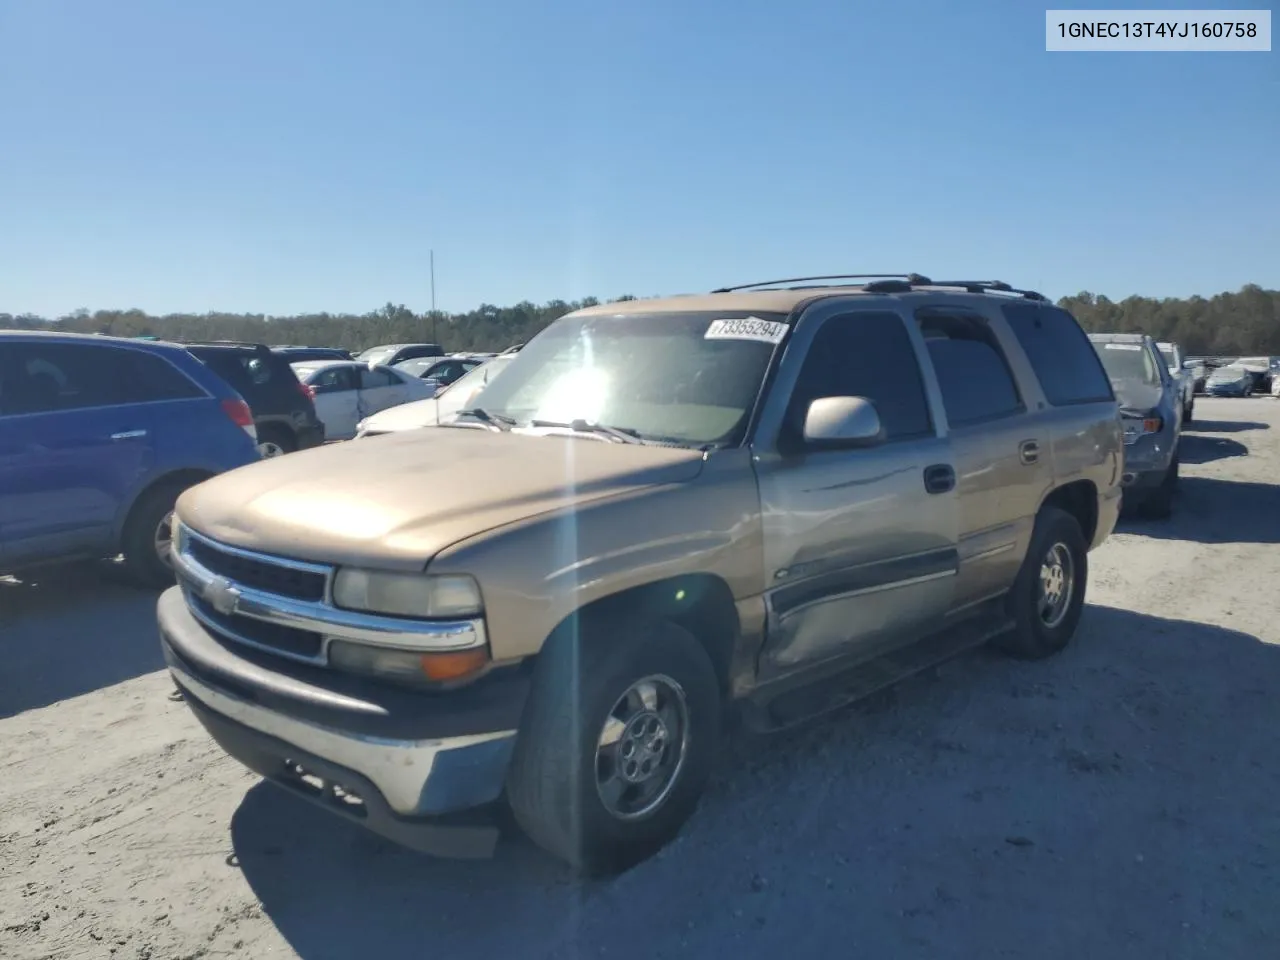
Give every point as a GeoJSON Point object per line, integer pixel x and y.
{"type": "Point", "coordinates": [864, 578]}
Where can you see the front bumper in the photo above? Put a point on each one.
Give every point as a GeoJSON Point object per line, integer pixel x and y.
{"type": "Point", "coordinates": [1216, 390]}
{"type": "Point", "coordinates": [1147, 460]}
{"type": "Point", "coordinates": [424, 770]}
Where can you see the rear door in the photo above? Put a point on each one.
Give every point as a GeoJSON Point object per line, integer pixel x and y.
{"type": "Point", "coordinates": [859, 545]}
{"type": "Point", "coordinates": [1000, 445]}
{"type": "Point", "coordinates": [337, 401]}
{"type": "Point", "coordinates": [75, 445]}
{"type": "Point", "coordinates": [379, 389]}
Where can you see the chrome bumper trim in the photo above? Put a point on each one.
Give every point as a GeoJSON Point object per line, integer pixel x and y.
{"type": "Point", "coordinates": [404, 771]}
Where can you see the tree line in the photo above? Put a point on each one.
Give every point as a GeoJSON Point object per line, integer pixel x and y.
{"type": "Point", "coordinates": [1243, 323]}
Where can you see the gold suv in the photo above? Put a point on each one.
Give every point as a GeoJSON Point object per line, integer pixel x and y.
{"type": "Point", "coordinates": [754, 505]}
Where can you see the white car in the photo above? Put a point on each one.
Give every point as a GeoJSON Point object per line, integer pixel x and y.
{"type": "Point", "coordinates": [347, 391]}
{"type": "Point", "coordinates": [428, 413]}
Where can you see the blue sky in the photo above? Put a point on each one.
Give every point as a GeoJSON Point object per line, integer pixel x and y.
{"type": "Point", "coordinates": [293, 156]}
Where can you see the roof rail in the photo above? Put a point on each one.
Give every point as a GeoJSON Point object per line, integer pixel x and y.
{"type": "Point", "coordinates": [983, 286]}
{"type": "Point", "coordinates": [909, 277]}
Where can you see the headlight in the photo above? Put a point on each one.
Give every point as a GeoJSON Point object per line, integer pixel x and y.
{"type": "Point", "coordinates": [407, 594]}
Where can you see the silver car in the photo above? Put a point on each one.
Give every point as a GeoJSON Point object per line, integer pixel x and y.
{"type": "Point", "coordinates": [1151, 409]}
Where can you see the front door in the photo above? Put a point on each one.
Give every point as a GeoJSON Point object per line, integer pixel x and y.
{"type": "Point", "coordinates": [859, 545]}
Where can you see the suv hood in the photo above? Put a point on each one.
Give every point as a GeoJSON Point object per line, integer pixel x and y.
{"type": "Point", "coordinates": [395, 501]}
{"type": "Point", "coordinates": [1136, 395]}
{"type": "Point", "coordinates": [405, 416]}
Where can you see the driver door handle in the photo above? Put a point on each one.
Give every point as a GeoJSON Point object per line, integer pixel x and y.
{"type": "Point", "coordinates": [939, 478]}
{"type": "Point", "coordinates": [129, 435]}
{"type": "Point", "coordinates": [1029, 451]}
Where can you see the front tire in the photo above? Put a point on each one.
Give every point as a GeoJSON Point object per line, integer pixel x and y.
{"type": "Point", "coordinates": [1047, 597]}
{"type": "Point", "coordinates": [147, 540]}
{"type": "Point", "coordinates": [607, 769]}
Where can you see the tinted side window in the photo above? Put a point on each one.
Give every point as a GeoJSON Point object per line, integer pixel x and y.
{"type": "Point", "coordinates": [373, 379]}
{"type": "Point", "coordinates": [974, 377]}
{"type": "Point", "coordinates": [865, 355]}
{"type": "Point", "coordinates": [1060, 353]}
{"type": "Point", "coordinates": [63, 376]}
{"type": "Point", "coordinates": [153, 378]}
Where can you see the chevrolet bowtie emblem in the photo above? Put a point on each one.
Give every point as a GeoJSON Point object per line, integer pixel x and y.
{"type": "Point", "coordinates": [221, 595]}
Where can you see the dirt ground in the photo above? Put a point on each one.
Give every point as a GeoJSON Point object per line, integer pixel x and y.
{"type": "Point", "coordinates": [1117, 801]}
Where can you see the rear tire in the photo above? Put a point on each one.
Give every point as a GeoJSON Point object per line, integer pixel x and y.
{"type": "Point", "coordinates": [1047, 597]}
{"type": "Point", "coordinates": [1158, 504]}
{"type": "Point", "coordinates": [146, 541]}
{"type": "Point", "coordinates": [1189, 416]}
{"type": "Point", "coordinates": [275, 441]}
{"type": "Point", "coordinates": [583, 749]}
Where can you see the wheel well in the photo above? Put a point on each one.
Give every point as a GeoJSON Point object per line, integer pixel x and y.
{"type": "Point", "coordinates": [178, 478]}
{"type": "Point", "coordinates": [701, 603]}
{"type": "Point", "coordinates": [1080, 499]}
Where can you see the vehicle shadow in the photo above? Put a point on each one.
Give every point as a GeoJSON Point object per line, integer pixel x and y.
{"type": "Point", "coordinates": [1209, 510]}
{"type": "Point", "coordinates": [69, 630]}
{"type": "Point", "coordinates": [1104, 803]}
{"type": "Point", "coordinates": [1224, 426]}
{"type": "Point", "coordinates": [1197, 449]}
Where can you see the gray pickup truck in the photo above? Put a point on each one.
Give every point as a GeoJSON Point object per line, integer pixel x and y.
{"type": "Point", "coordinates": [667, 515]}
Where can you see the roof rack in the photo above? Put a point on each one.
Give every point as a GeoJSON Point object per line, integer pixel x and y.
{"type": "Point", "coordinates": [909, 277]}
{"type": "Point", "coordinates": [222, 343]}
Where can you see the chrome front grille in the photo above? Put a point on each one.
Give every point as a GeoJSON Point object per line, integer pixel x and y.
{"type": "Point", "coordinates": [300, 583]}
{"type": "Point", "coordinates": [282, 606]}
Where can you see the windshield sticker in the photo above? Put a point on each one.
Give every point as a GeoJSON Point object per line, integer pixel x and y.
{"type": "Point", "coordinates": [1123, 346]}
{"type": "Point", "coordinates": [748, 328]}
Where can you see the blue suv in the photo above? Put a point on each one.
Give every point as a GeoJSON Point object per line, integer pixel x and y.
{"type": "Point", "coordinates": [98, 437]}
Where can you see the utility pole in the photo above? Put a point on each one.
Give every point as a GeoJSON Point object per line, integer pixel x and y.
{"type": "Point", "coordinates": [434, 335]}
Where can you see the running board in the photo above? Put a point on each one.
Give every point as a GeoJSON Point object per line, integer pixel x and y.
{"type": "Point", "coordinates": [768, 711]}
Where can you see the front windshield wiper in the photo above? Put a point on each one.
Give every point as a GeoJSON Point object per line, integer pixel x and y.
{"type": "Point", "coordinates": [618, 434]}
{"type": "Point", "coordinates": [496, 420]}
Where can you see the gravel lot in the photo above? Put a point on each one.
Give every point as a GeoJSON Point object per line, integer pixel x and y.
{"type": "Point", "coordinates": [1118, 801]}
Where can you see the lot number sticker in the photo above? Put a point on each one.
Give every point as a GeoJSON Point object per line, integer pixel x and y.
{"type": "Point", "coordinates": [749, 328]}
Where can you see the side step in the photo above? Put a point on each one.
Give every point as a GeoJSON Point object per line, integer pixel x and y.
{"type": "Point", "coordinates": [777, 710]}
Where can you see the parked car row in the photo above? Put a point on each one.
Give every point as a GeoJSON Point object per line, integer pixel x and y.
{"type": "Point", "coordinates": [99, 435]}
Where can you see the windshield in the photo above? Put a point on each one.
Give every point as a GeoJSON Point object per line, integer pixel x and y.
{"type": "Point", "coordinates": [685, 377]}
{"type": "Point", "coordinates": [1128, 362]}
{"type": "Point", "coordinates": [376, 355]}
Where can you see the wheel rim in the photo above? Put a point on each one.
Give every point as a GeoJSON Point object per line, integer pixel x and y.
{"type": "Point", "coordinates": [1057, 584]}
{"type": "Point", "coordinates": [641, 748]}
{"type": "Point", "coordinates": [269, 449]}
{"type": "Point", "coordinates": [163, 540]}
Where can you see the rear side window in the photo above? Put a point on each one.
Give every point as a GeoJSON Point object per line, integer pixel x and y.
{"type": "Point", "coordinates": [373, 379]}
{"type": "Point", "coordinates": [1060, 353]}
{"type": "Point", "coordinates": [865, 355]}
{"type": "Point", "coordinates": [153, 378]}
{"type": "Point", "coordinates": [239, 369]}
{"type": "Point", "coordinates": [972, 372]}
{"type": "Point", "coordinates": [334, 380]}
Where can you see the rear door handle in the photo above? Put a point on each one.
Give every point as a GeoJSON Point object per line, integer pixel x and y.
{"type": "Point", "coordinates": [129, 435]}
{"type": "Point", "coordinates": [1029, 451]}
{"type": "Point", "coordinates": [939, 478]}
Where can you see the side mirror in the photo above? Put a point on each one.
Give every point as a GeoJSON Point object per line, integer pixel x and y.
{"type": "Point", "coordinates": [843, 422]}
